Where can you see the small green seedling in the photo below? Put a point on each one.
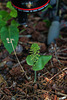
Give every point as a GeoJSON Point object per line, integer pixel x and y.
{"type": "Point", "coordinates": [36, 60]}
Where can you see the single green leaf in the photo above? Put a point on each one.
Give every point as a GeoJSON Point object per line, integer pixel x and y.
{"type": "Point", "coordinates": [49, 6]}
{"type": "Point", "coordinates": [0, 16]}
{"type": "Point", "coordinates": [39, 65]}
{"type": "Point", "coordinates": [42, 61]}
{"type": "Point", "coordinates": [5, 15]}
{"type": "Point", "coordinates": [48, 23]}
{"type": "Point", "coordinates": [9, 5]}
{"type": "Point", "coordinates": [8, 34]}
{"type": "Point", "coordinates": [29, 60]}
{"type": "Point", "coordinates": [13, 12]}
{"type": "Point", "coordinates": [2, 23]}
{"type": "Point", "coordinates": [13, 22]}
{"type": "Point", "coordinates": [60, 36]}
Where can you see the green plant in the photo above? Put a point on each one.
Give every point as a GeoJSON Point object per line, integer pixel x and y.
{"type": "Point", "coordinates": [36, 60]}
{"type": "Point", "coordinates": [48, 23]}
{"type": "Point", "coordinates": [49, 6]}
{"type": "Point", "coordinates": [9, 32]}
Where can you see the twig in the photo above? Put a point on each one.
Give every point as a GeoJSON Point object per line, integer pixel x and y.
{"type": "Point", "coordinates": [62, 57]}
{"type": "Point", "coordinates": [62, 98]}
{"type": "Point", "coordinates": [59, 53]}
{"type": "Point", "coordinates": [28, 36]}
{"type": "Point", "coordinates": [57, 57]}
{"type": "Point", "coordinates": [63, 61]}
{"type": "Point", "coordinates": [48, 71]}
{"type": "Point", "coordinates": [62, 50]}
{"type": "Point", "coordinates": [65, 39]}
{"type": "Point", "coordinates": [18, 63]}
{"type": "Point", "coordinates": [17, 58]}
{"type": "Point", "coordinates": [58, 73]}
{"type": "Point", "coordinates": [42, 75]}
{"type": "Point", "coordinates": [58, 93]}
{"type": "Point", "coordinates": [22, 31]}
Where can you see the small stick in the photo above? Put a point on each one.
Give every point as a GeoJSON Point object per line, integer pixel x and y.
{"type": "Point", "coordinates": [42, 75]}
{"type": "Point", "coordinates": [18, 63]}
{"type": "Point", "coordinates": [17, 57]}
{"type": "Point", "coordinates": [62, 50]}
{"type": "Point", "coordinates": [62, 98]}
{"type": "Point", "coordinates": [58, 73]}
{"type": "Point", "coordinates": [62, 57]}
{"type": "Point", "coordinates": [58, 93]}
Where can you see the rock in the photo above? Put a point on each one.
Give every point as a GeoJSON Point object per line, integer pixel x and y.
{"type": "Point", "coordinates": [54, 70]}
{"type": "Point", "coordinates": [19, 49]}
{"type": "Point", "coordinates": [13, 98]}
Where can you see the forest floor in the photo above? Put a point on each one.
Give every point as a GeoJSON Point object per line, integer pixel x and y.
{"type": "Point", "coordinates": [51, 83]}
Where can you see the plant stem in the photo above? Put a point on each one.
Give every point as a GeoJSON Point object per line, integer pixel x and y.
{"type": "Point", "coordinates": [35, 77]}
{"type": "Point", "coordinates": [19, 61]}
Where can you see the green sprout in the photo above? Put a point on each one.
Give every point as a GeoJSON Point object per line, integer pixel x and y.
{"type": "Point", "coordinates": [36, 60]}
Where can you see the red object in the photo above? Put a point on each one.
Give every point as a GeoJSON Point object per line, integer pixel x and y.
{"type": "Point", "coordinates": [37, 7]}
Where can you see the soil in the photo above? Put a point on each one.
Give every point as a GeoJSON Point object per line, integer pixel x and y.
{"type": "Point", "coordinates": [51, 83]}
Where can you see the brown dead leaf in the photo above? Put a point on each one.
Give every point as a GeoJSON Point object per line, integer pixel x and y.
{"type": "Point", "coordinates": [15, 71]}
{"type": "Point", "coordinates": [24, 39]}
{"type": "Point", "coordinates": [41, 26]}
